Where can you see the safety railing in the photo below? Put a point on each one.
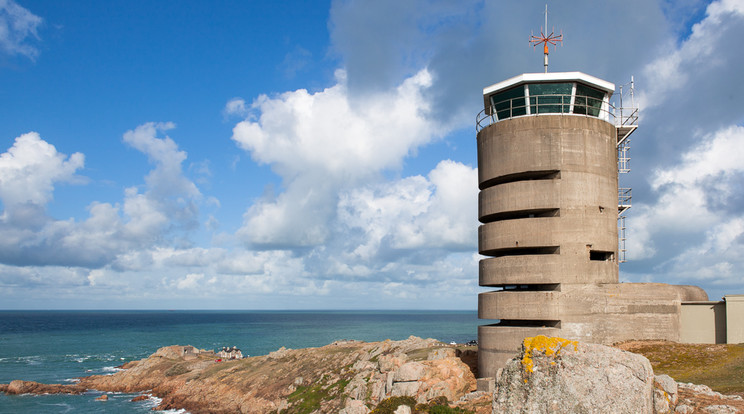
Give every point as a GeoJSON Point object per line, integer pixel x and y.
{"type": "Point", "coordinates": [623, 199]}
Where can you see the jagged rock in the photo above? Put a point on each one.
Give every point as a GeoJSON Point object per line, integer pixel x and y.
{"type": "Point", "coordinates": [402, 409]}
{"type": "Point", "coordinates": [104, 397]}
{"type": "Point", "coordinates": [140, 398]}
{"type": "Point", "coordinates": [557, 375]}
{"type": "Point", "coordinates": [697, 398]}
{"type": "Point", "coordinates": [278, 353]}
{"type": "Point", "coordinates": [720, 409]}
{"type": "Point", "coordinates": [705, 390]}
{"type": "Point", "coordinates": [411, 371]}
{"type": "Point", "coordinates": [665, 394]}
{"type": "Point", "coordinates": [354, 406]}
{"type": "Point", "coordinates": [684, 409]}
{"type": "Point", "coordinates": [389, 363]}
{"type": "Point", "coordinates": [401, 389]}
{"type": "Point", "coordinates": [442, 353]}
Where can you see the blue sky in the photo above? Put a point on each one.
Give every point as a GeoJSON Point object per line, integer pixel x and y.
{"type": "Point", "coordinates": [306, 155]}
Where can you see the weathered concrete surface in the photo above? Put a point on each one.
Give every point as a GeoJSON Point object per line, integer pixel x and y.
{"type": "Point", "coordinates": [603, 314]}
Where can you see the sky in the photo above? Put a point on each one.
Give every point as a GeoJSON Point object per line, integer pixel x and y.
{"type": "Point", "coordinates": [321, 155]}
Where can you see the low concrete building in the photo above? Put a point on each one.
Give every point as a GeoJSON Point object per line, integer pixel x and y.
{"type": "Point", "coordinates": [713, 322]}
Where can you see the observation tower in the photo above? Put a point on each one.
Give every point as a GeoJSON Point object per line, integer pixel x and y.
{"type": "Point", "coordinates": [550, 148]}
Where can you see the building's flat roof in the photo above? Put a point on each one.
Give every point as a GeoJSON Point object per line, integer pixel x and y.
{"type": "Point", "coordinates": [550, 77]}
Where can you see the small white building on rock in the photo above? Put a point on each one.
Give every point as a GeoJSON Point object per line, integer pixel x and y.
{"type": "Point", "coordinates": [230, 353]}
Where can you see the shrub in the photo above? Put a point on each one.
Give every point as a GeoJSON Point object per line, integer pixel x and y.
{"type": "Point", "coordinates": [177, 369]}
{"type": "Point", "coordinates": [389, 405]}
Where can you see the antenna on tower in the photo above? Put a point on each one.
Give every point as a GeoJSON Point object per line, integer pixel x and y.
{"type": "Point", "coordinates": [551, 38]}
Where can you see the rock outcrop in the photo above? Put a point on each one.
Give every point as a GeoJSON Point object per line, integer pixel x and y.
{"type": "Point", "coordinates": [348, 377]}
{"type": "Point", "coordinates": [18, 387]}
{"type": "Point", "coordinates": [554, 375]}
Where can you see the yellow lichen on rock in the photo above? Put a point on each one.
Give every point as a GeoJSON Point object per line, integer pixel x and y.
{"type": "Point", "coordinates": [549, 346]}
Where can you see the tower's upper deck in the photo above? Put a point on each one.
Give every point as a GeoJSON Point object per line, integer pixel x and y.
{"type": "Point", "coordinates": [546, 93]}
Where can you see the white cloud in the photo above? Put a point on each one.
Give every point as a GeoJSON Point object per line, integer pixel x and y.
{"type": "Point", "coordinates": [415, 212]}
{"type": "Point", "coordinates": [236, 107]}
{"type": "Point", "coordinates": [698, 212]}
{"type": "Point", "coordinates": [191, 281]}
{"type": "Point", "coordinates": [30, 169]}
{"type": "Point", "coordinates": [321, 143]}
{"type": "Point", "coordinates": [167, 178]}
{"type": "Point", "coordinates": [298, 131]}
{"type": "Point", "coordinates": [28, 173]}
{"type": "Point", "coordinates": [17, 27]}
{"type": "Point", "coordinates": [700, 53]}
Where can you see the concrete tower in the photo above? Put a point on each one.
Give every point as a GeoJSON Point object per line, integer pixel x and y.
{"type": "Point", "coordinates": [548, 204]}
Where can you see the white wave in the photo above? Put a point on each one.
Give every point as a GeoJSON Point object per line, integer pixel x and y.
{"type": "Point", "coordinates": [73, 380]}
{"type": "Point", "coordinates": [154, 401]}
{"type": "Point", "coordinates": [111, 370]}
{"type": "Point", "coordinates": [31, 359]}
{"type": "Point", "coordinates": [64, 406]}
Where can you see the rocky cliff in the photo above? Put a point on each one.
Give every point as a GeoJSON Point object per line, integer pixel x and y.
{"type": "Point", "coordinates": [348, 377]}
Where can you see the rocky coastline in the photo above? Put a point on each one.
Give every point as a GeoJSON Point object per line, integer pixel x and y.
{"type": "Point", "coordinates": [347, 377]}
{"type": "Point", "coordinates": [353, 377]}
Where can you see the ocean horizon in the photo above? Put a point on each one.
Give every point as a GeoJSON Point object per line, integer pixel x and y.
{"type": "Point", "coordinates": [57, 346]}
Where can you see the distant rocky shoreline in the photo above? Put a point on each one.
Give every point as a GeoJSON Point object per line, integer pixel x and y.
{"type": "Point", "coordinates": [347, 377]}
{"type": "Point", "coordinates": [353, 377]}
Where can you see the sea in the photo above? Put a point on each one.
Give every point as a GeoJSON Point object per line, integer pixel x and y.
{"type": "Point", "coordinates": [60, 346]}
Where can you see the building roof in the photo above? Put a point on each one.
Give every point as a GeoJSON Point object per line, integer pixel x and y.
{"type": "Point", "coordinates": [597, 83]}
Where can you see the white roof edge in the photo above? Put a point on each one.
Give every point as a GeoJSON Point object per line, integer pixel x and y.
{"type": "Point", "coordinates": [550, 77]}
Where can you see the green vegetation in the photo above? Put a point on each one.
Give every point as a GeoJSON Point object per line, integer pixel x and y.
{"type": "Point", "coordinates": [306, 399]}
{"type": "Point", "coordinates": [439, 405]}
{"type": "Point", "coordinates": [389, 405]}
{"type": "Point", "coordinates": [177, 369]}
{"type": "Point", "coordinates": [421, 354]}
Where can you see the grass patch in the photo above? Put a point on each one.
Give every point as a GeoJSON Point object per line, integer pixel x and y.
{"type": "Point", "coordinates": [439, 405]}
{"type": "Point", "coordinates": [306, 399]}
{"type": "Point", "coordinates": [719, 366]}
{"type": "Point", "coordinates": [420, 354]}
{"type": "Point", "coordinates": [389, 405]}
{"type": "Point", "coordinates": [178, 369]}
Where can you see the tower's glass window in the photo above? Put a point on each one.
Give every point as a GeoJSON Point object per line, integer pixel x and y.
{"type": "Point", "coordinates": [509, 103]}
{"type": "Point", "coordinates": [588, 100]}
{"type": "Point", "coordinates": [550, 98]}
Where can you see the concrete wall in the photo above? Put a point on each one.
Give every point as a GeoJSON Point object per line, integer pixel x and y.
{"type": "Point", "coordinates": [573, 207]}
{"type": "Point", "coordinates": [703, 323]}
{"type": "Point", "coordinates": [734, 319]}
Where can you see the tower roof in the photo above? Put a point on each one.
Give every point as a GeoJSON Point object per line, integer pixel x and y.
{"type": "Point", "coordinates": [597, 83]}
